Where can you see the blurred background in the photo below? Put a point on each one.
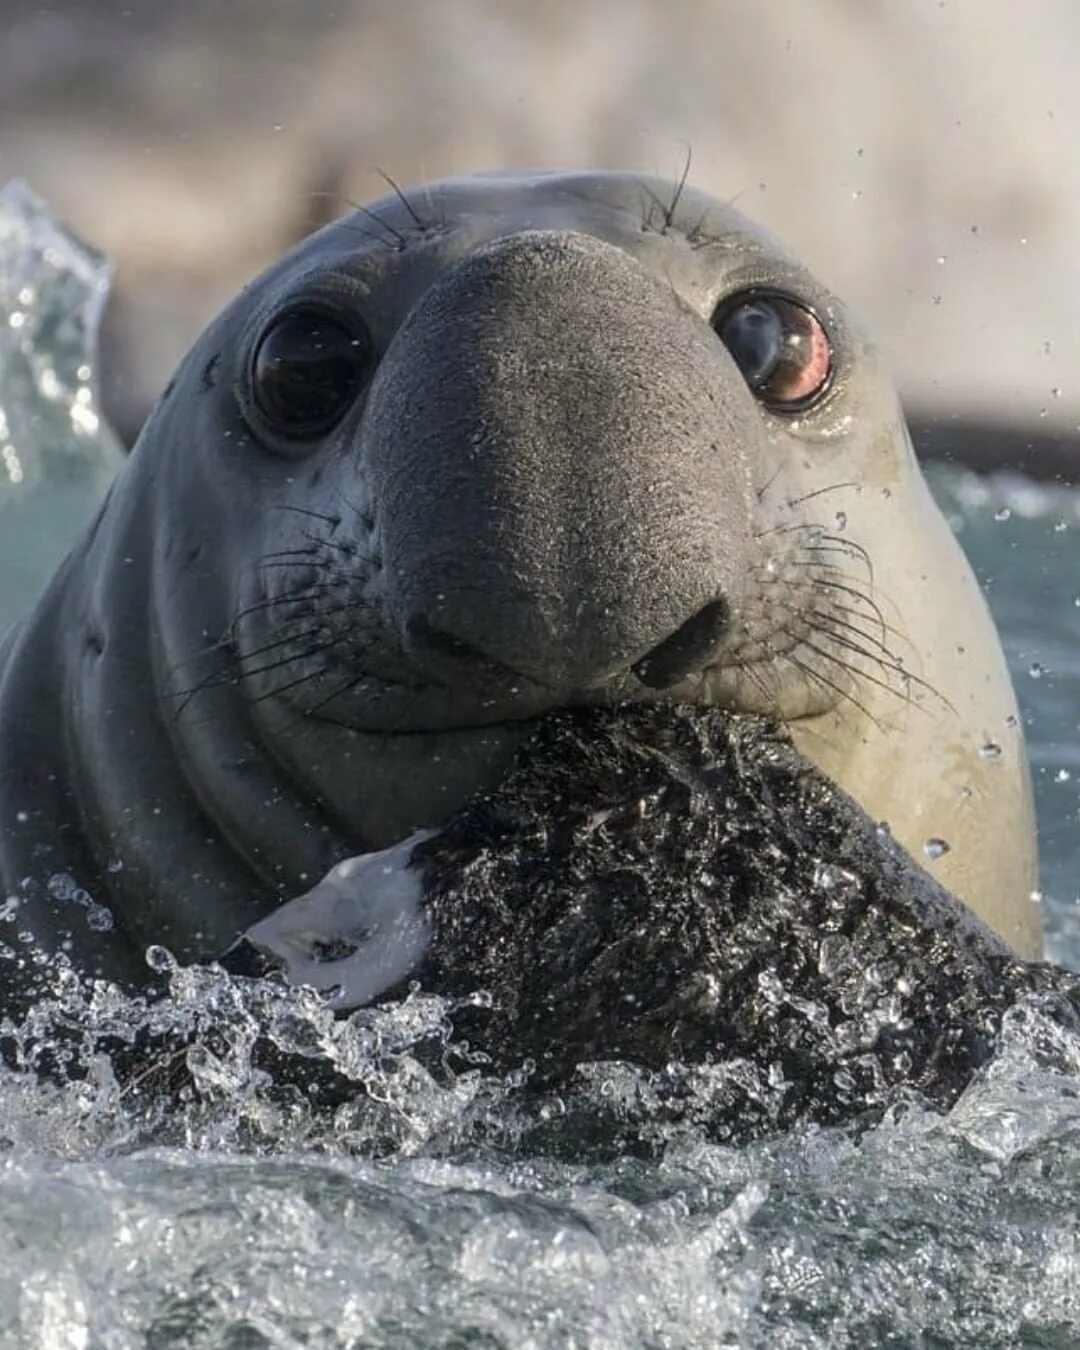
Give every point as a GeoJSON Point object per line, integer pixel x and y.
{"type": "Point", "coordinates": [920, 155]}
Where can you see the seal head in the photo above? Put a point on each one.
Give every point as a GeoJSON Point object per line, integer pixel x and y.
{"type": "Point", "coordinates": [504, 445]}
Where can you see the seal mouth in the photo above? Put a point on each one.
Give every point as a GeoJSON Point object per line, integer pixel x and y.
{"type": "Point", "coordinates": [752, 687]}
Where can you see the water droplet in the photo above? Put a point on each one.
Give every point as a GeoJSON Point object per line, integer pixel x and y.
{"type": "Point", "coordinates": [942, 259]}
{"type": "Point", "coordinates": [1036, 897]}
{"type": "Point", "coordinates": [1060, 526]}
{"type": "Point", "coordinates": [1002, 513]}
{"type": "Point", "coordinates": [1062, 776]}
{"type": "Point", "coordinates": [1055, 392]}
{"type": "Point", "coordinates": [99, 919]}
{"type": "Point", "coordinates": [840, 881]}
{"type": "Point", "coordinates": [841, 520]}
{"type": "Point", "coordinates": [1036, 670]}
{"type": "Point", "coordinates": [161, 960]}
{"type": "Point", "coordinates": [990, 750]}
{"type": "Point", "coordinates": [935, 848]}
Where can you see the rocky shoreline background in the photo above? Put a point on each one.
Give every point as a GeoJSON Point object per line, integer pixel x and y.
{"type": "Point", "coordinates": [917, 154]}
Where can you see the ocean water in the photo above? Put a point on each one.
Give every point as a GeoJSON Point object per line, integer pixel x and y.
{"type": "Point", "coordinates": [457, 1212]}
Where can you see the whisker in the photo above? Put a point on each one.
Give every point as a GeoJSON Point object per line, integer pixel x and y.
{"type": "Point", "coordinates": [680, 188]}
{"type": "Point", "coordinates": [819, 492]}
{"type": "Point", "coordinates": [289, 553]}
{"type": "Point", "coordinates": [417, 221]}
{"type": "Point", "coordinates": [867, 600]}
{"type": "Point", "coordinates": [761, 491]}
{"type": "Point", "coordinates": [836, 688]}
{"type": "Point", "coordinates": [859, 674]}
{"type": "Point", "coordinates": [391, 230]}
{"type": "Point", "coordinates": [345, 688]}
{"type": "Point", "coordinates": [333, 521]}
{"type": "Point", "coordinates": [291, 684]}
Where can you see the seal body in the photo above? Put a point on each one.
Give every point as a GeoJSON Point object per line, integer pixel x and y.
{"type": "Point", "coordinates": [505, 445]}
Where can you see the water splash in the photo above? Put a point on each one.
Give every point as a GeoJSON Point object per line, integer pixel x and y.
{"type": "Point", "coordinates": [440, 1204]}
{"type": "Point", "coordinates": [57, 455]}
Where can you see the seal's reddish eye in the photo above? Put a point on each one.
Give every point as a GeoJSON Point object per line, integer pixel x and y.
{"type": "Point", "coordinates": [307, 371]}
{"type": "Point", "coordinates": [780, 347]}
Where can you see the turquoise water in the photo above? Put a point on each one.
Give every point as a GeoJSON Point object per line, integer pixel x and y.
{"type": "Point", "coordinates": [1024, 542]}
{"type": "Point", "coordinates": [449, 1214]}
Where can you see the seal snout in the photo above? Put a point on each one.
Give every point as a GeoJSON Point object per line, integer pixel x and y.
{"type": "Point", "coordinates": [558, 446]}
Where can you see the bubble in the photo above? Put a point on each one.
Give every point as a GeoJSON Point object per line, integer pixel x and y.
{"type": "Point", "coordinates": [1062, 776]}
{"type": "Point", "coordinates": [161, 960]}
{"type": "Point", "coordinates": [1002, 513]}
{"type": "Point", "coordinates": [1036, 670]}
{"type": "Point", "coordinates": [99, 919]}
{"type": "Point", "coordinates": [935, 848]}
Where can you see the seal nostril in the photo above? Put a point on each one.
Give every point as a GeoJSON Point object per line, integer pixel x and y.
{"type": "Point", "coordinates": [424, 637]}
{"type": "Point", "coordinates": [687, 650]}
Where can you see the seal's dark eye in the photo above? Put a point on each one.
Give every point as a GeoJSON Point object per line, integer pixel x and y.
{"type": "Point", "coordinates": [780, 347]}
{"type": "Point", "coordinates": [307, 370]}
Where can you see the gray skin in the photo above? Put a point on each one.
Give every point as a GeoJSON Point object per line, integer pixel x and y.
{"type": "Point", "coordinates": [267, 655]}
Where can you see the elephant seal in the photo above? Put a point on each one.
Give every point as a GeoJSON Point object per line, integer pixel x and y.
{"type": "Point", "coordinates": [504, 445]}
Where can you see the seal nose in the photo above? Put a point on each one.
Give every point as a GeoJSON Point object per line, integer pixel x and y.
{"type": "Point", "coordinates": [559, 448]}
